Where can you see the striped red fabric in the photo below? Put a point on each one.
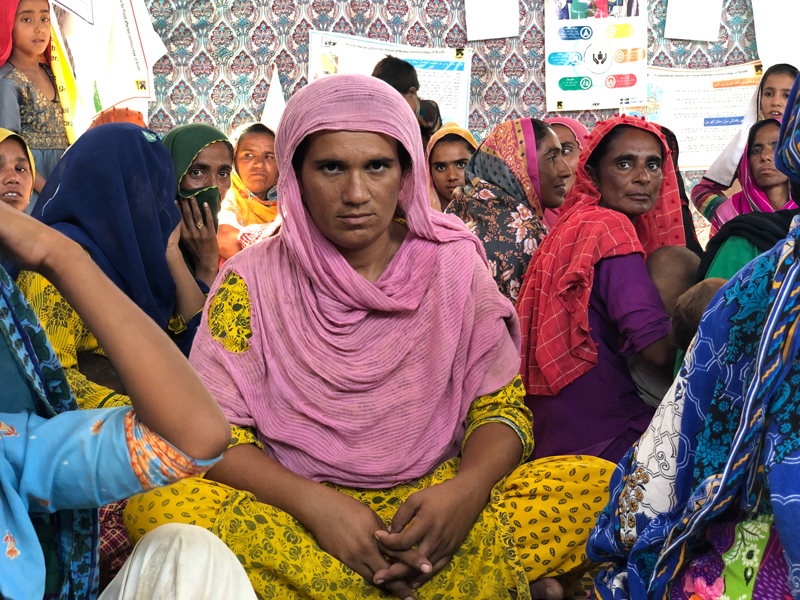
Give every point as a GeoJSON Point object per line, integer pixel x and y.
{"type": "Point", "coordinates": [553, 305]}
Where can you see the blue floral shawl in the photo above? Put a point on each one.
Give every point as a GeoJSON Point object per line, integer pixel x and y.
{"type": "Point", "coordinates": [724, 443]}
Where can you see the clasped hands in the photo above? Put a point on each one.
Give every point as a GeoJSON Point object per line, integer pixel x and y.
{"type": "Point", "coordinates": [424, 535]}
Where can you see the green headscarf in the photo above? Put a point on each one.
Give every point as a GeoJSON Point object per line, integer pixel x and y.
{"type": "Point", "coordinates": [184, 143]}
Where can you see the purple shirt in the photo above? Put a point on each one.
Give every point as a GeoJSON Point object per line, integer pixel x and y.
{"type": "Point", "coordinates": [600, 413]}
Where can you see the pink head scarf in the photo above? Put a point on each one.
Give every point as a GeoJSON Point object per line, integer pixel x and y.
{"type": "Point", "coordinates": [575, 126]}
{"type": "Point", "coordinates": [351, 382]}
{"type": "Point", "coordinates": [580, 132]}
{"type": "Point", "coordinates": [752, 197]}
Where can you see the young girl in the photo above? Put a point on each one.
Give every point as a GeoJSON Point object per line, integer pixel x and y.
{"type": "Point", "coordinates": [29, 92]}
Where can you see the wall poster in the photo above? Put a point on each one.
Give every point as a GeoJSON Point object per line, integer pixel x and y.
{"type": "Point", "coordinates": [595, 54]}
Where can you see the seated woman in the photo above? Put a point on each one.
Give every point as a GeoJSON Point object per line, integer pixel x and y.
{"type": "Point", "coordinates": [447, 154]}
{"type": "Point", "coordinates": [203, 161]}
{"type": "Point", "coordinates": [127, 221]}
{"type": "Point", "coordinates": [769, 102]}
{"type": "Point", "coordinates": [704, 504]}
{"type": "Point", "coordinates": [572, 136]}
{"type": "Point", "coordinates": [58, 463]}
{"type": "Point", "coordinates": [17, 170]}
{"type": "Point", "coordinates": [246, 203]}
{"type": "Point", "coordinates": [131, 227]}
{"type": "Point", "coordinates": [588, 304]}
{"type": "Point", "coordinates": [764, 188]}
{"type": "Point", "coordinates": [368, 351]}
{"type": "Point", "coordinates": [518, 172]}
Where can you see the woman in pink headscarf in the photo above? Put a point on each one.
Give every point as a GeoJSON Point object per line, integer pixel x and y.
{"type": "Point", "coordinates": [764, 188]}
{"type": "Point", "coordinates": [572, 136]}
{"type": "Point", "coordinates": [370, 367]}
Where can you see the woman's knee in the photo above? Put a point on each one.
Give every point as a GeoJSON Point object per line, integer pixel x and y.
{"type": "Point", "coordinates": [192, 501]}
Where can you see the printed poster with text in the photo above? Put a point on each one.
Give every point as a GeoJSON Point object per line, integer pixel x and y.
{"type": "Point", "coordinates": [443, 73]}
{"type": "Point", "coordinates": [596, 55]}
{"type": "Point", "coordinates": [704, 108]}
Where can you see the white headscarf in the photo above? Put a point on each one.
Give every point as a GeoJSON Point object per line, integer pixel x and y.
{"type": "Point", "coordinates": [724, 169]}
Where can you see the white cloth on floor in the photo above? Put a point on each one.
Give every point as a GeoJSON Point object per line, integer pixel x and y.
{"type": "Point", "coordinates": [180, 562]}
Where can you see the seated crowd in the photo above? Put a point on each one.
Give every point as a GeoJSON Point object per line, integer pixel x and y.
{"type": "Point", "coordinates": [367, 356]}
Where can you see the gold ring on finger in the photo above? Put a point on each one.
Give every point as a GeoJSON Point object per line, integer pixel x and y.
{"type": "Point", "coordinates": [200, 224]}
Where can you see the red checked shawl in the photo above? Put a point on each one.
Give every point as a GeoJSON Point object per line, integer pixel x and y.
{"type": "Point", "coordinates": [553, 305]}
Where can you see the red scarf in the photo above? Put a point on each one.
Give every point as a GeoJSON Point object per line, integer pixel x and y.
{"type": "Point", "coordinates": [8, 10]}
{"type": "Point", "coordinates": [553, 305]}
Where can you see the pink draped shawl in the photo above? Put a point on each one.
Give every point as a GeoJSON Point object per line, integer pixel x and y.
{"type": "Point", "coordinates": [346, 381]}
{"type": "Point", "coordinates": [752, 197]}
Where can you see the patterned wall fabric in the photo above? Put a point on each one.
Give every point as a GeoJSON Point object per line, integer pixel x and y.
{"type": "Point", "coordinates": [221, 53]}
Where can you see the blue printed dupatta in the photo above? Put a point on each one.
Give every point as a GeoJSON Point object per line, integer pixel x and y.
{"type": "Point", "coordinates": [68, 538]}
{"type": "Point", "coordinates": [724, 444]}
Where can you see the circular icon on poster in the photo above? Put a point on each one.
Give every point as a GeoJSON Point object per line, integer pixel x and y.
{"type": "Point", "coordinates": [619, 56]}
{"type": "Point", "coordinates": [586, 83]}
{"type": "Point", "coordinates": [598, 57]}
{"type": "Point", "coordinates": [575, 58]}
{"type": "Point", "coordinates": [586, 33]}
{"type": "Point", "coordinates": [611, 31]}
{"type": "Point", "coordinates": [611, 82]}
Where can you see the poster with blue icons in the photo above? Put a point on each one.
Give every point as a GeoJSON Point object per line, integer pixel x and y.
{"type": "Point", "coordinates": [596, 54]}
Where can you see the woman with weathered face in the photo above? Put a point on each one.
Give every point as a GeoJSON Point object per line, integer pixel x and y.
{"type": "Point", "coordinates": [17, 169]}
{"type": "Point", "coordinates": [588, 288]}
{"type": "Point", "coordinates": [764, 188]}
{"type": "Point", "coordinates": [248, 205]}
{"type": "Point", "coordinates": [370, 368]}
{"type": "Point", "coordinates": [203, 161]}
{"type": "Point", "coordinates": [572, 136]}
{"type": "Point", "coordinates": [704, 497]}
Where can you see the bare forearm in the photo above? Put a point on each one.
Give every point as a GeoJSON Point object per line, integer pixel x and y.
{"type": "Point", "coordinates": [189, 299]}
{"type": "Point", "coordinates": [228, 240]}
{"type": "Point", "coordinates": [207, 273]}
{"type": "Point", "coordinates": [245, 467]}
{"type": "Point", "coordinates": [490, 453]}
{"type": "Point", "coordinates": [661, 353]}
{"type": "Point", "coordinates": [165, 391]}
{"type": "Point", "coordinates": [39, 181]}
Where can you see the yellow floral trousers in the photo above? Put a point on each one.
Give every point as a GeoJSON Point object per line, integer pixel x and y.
{"type": "Point", "coordinates": [536, 525]}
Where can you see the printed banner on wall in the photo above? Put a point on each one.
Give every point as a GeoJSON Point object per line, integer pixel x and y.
{"type": "Point", "coordinates": [83, 8]}
{"type": "Point", "coordinates": [705, 109]}
{"type": "Point", "coordinates": [596, 54]}
{"type": "Point", "coordinates": [114, 57]}
{"type": "Point", "coordinates": [443, 73]}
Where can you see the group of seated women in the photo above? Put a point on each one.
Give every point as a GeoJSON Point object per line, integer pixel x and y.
{"type": "Point", "coordinates": [385, 367]}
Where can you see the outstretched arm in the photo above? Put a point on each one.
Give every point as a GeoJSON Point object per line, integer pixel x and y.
{"type": "Point", "coordinates": [165, 391]}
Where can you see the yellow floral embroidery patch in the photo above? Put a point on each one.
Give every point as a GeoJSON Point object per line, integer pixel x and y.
{"type": "Point", "coordinates": [229, 315]}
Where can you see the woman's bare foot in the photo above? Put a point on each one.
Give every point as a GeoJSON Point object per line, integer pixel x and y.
{"type": "Point", "coordinates": [547, 589]}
